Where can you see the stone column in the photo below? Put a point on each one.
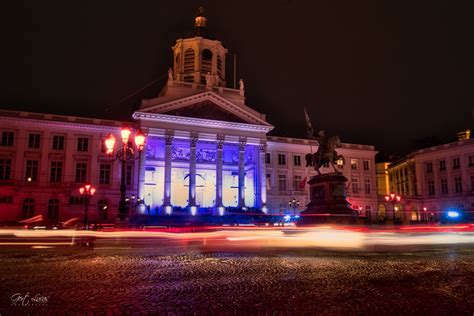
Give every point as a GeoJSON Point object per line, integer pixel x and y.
{"type": "Point", "coordinates": [241, 201]}
{"type": "Point", "coordinates": [141, 174]}
{"type": "Point", "coordinates": [262, 183]}
{"type": "Point", "coordinates": [192, 173]}
{"type": "Point", "coordinates": [167, 185]}
{"type": "Point", "coordinates": [220, 143]}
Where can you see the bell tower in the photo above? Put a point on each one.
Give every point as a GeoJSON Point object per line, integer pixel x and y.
{"type": "Point", "coordinates": [198, 58]}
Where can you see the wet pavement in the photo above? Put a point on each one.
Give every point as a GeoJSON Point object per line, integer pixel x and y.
{"type": "Point", "coordinates": [174, 279]}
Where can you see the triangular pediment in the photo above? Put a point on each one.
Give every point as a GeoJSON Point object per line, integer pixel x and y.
{"type": "Point", "coordinates": [210, 106]}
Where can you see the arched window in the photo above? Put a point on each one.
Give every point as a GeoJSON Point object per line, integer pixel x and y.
{"type": "Point", "coordinates": [219, 66]}
{"type": "Point", "coordinates": [206, 61]}
{"type": "Point", "coordinates": [103, 208]}
{"type": "Point", "coordinates": [28, 208]}
{"type": "Point", "coordinates": [53, 209]}
{"type": "Point", "coordinates": [189, 61]}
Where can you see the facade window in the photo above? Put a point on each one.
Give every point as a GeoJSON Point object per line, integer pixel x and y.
{"type": "Point", "coordinates": [83, 144]}
{"type": "Point", "coordinates": [58, 142]}
{"type": "Point", "coordinates": [442, 165]}
{"type": "Point", "coordinates": [444, 186]}
{"type": "Point", "coordinates": [53, 209]}
{"type": "Point", "coordinates": [28, 208]}
{"type": "Point", "coordinates": [206, 61]}
{"type": "Point", "coordinates": [429, 167]}
{"type": "Point", "coordinates": [366, 165]}
{"type": "Point", "coordinates": [268, 159]}
{"type": "Point", "coordinates": [340, 163]}
{"type": "Point", "coordinates": [103, 208]}
{"type": "Point", "coordinates": [472, 183]}
{"type": "Point", "coordinates": [296, 182]}
{"type": "Point", "coordinates": [5, 169]}
{"type": "Point", "coordinates": [6, 199]}
{"type": "Point", "coordinates": [297, 160]}
{"type": "Point", "coordinates": [354, 164]}
{"type": "Point", "coordinates": [282, 182]}
{"type": "Point", "coordinates": [355, 186]}
{"type": "Point", "coordinates": [456, 163]}
{"type": "Point", "coordinates": [269, 181]}
{"type": "Point", "coordinates": [189, 61]}
{"type": "Point", "coordinates": [7, 139]}
{"type": "Point", "coordinates": [104, 174]}
{"type": "Point", "coordinates": [367, 186]}
{"type": "Point", "coordinates": [56, 171]}
{"type": "Point", "coordinates": [81, 172]}
{"type": "Point", "coordinates": [282, 159]}
{"type": "Point", "coordinates": [458, 184]}
{"type": "Point", "coordinates": [471, 161]}
{"type": "Point", "coordinates": [431, 187]}
{"type": "Point", "coordinates": [31, 174]}
{"type": "Point", "coordinates": [34, 140]}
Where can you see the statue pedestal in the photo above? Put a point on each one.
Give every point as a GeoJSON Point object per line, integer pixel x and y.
{"type": "Point", "coordinates": [328, 204]}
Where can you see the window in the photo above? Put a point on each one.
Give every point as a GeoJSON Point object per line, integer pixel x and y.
{"type": "Point", "coordinates": [83, 144]}
{"type": "Point", "coordinates": [269, 181]}
{"type": "Point", "coordinates": [81, 171]}
{"type": "Point", "coordinates": [56, 171]}
{"type": "Point", "coordinates": [129, 175]}
{"type": "Point", "coordinates": [7, 139]}
{"type": "Point", "coordinates": [78, 200]}
{"type": "Point", "coordinates": [103, 208]}
{"type": "Point", "coordinates": [206, 61]}
{"type": "Point", "coordinates": [444, 186]}
{"type": "Point", "coordinates": [189, 64]}
{"type": "Point", "coordinates": [367, 186]}
{"type": "Point", "coordinates": [442, 165]}
{"type": "Point", "coordinates": [458, 184]}
{"type": "Point", "coordinates": [282, 182]}
{"type": "Point", "coordinates": [471, 161]}
{"type": "Point", "coordinates": [354, 164]}
{"type": "Point", "coordinates": [28, 208]}
{"type": "Point", "coordinates": [5, 169]}
{"type": "Point", "coordinates": [268, 158]}
{"type": "Point", "coordinates": [368, 211]}
{"type": "Point", "coordinates": [431, 187]}
{"type": "Point", "coordinates": [53, 209]}
{"type": "Point", "coordinates": [31, 174]}
{"type": "Point", "coordinates": [366, 165]}
{"type": "Point", "coordinates": [355, 186]}
{"type": "Point", "coordinates": [6, 199]}
{"type": "Point", "coordinates": [472, 183]}
{"type": "Point", "coordinates": [281, 159]}
{"type": "Point", "coordinates": [340, 163]}
{"type": "Point", "coordinates": [429, 167]}
{"type": "Point", "coordinates": [104, 174]}
{"type": "Point", "coordinates": [34, 140]}
{"type": "Point", "coordinates": [296, 182]}
{"type": "Point", "coordinates": [297, 160]}
{"type": "Point", "coordinates": [456, 163]}
{"type": "Point", "coordinates": [58, 142]}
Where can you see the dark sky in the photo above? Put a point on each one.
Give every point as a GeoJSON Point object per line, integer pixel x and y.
{"type": "Point", "coordinates": [382, 73]}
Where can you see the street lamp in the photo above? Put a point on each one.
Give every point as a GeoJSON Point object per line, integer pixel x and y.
{"type": "Point", "coordinates": [125, 153]}
{"type": "Point", "coordinates": [87, 191]}
{"type": "Point", "coordinates": [294, 204]}
{"type": "Point", "coordinates": [393, 199]}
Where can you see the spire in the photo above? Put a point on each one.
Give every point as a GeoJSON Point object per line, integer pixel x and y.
{"type": "Point", "coordinates": [200, 21]}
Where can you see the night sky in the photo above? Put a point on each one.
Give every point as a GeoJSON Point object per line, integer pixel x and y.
{"type": "Point", "coordinates": [382, 73]}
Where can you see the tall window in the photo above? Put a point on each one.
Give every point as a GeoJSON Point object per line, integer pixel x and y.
{"type": "Point", "coordinates": [429, 167]}
{"type": "Point", "coordinates": [297, 160]}
{"type": "Point", "coordinates": [53, 209]}
{"type": "Point", "coordinates": [206, 61]}
{"type": "Point", "coordinates": [431, 187]}
{"type": "Point", "coordinates": [471, 161]}
{"type": "Point", "coordinates": [340, 163]}
{"type": "Point", "coordinates": [442, 165]}
{"type": "Point", "coordinates": [7, 139]}
{"type": "Point", "coordinates": [219, 65]}
{"type": "Point", "coordinates": [58, 142]}
{"type": "Point", "coordinates": [56, 171]}
{"type": "Point", "coordinates": [456, 163]}
{"type": "Point", "coordinates": [269, 181]}
{"type": "Point", "coordinates": [5, 169]}
{"type": "Point", "coordinates": [104, 174]}
{"type": "Point", "coordinates": [83, 144]}
{"type": "Point", "coordinates": [188, 67]}
{"type": "Point", "coordinates": [34, 140]}
{"type": "Point", "coordinates": [354, 164]}
{"type": "Point", "coordinates": [268, 158]}
{"type": "Point", "coordinates": [281, 159]}
{"type": "Point", "coordinates": [367, 186]}
{"type": "Point", "coordinates": [81, 172]}
{"type": "Point", "coordinates": [444, 186]}
{"type": "Point", "coordinates": [472, 183]}
{"type": "Point", "coordinates": [296, 182]}
{"type": "Point", "coordinates": [355, 186]}
{"type": "Point", "coordinates": [129, 176]}
{"type": "Point", "coordinates": [28, 208]}
{"type": "Point", "coordinates": [102, 207]}
{"type": "Point", "coordinates": [458, 184]}
{"type": "Point", "coordinates": [31, 172]}
{"type": "Point", "coordinates": [366, 165]}
{"type": "Point", "coordinates": [282, 182]}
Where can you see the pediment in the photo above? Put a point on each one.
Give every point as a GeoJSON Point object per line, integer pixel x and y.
{"type": "Point", "coordinates": [210, 106]}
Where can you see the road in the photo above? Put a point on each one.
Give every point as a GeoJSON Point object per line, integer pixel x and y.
{"type": "Point", "coordinates": [172, 277]}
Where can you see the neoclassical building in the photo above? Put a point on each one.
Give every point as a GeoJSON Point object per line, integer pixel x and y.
{"type": "Point", "coordinates": [207, 150]}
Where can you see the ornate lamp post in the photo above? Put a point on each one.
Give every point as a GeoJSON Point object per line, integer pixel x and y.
{"type": "Point", "coordinates": [393, 199]}
{"type": "Point", "coordinates": [125, 153]}
{"type": "Point", "coordinates": [87, 191]}
{"type": "Point", "coordinates": [294, 204]}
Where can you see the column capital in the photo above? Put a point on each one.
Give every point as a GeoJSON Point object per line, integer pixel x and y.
{"type": "Point", "coordinates": [169, 140]}
{"type": "Point", "coordinates": [193, 141]}
{"type": "Point", "coordinates": [263, 147]}
{"type": "Point", "coordinates": [242, 143]}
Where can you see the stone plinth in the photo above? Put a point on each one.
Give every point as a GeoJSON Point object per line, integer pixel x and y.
{"type": "Point", "coordinates": [328, 204]}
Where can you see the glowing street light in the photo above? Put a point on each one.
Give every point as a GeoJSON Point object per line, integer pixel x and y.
{"type": "Point", "coordinates": [393, 199]}
{"type": "Point", "coordinates": [294, 204]}
{"type": "Point", "coordinates": [87, 191]}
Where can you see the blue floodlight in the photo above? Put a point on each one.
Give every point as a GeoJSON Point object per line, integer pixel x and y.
{"type": "Point", "coordinates": [453, 214]}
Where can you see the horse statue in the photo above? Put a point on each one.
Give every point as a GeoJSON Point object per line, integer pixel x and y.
{"type": "Point", "coordinates": [326, 153]}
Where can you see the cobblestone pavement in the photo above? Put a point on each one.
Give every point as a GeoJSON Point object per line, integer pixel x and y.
{"type": "Point", "coordinates": [186, 281]}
